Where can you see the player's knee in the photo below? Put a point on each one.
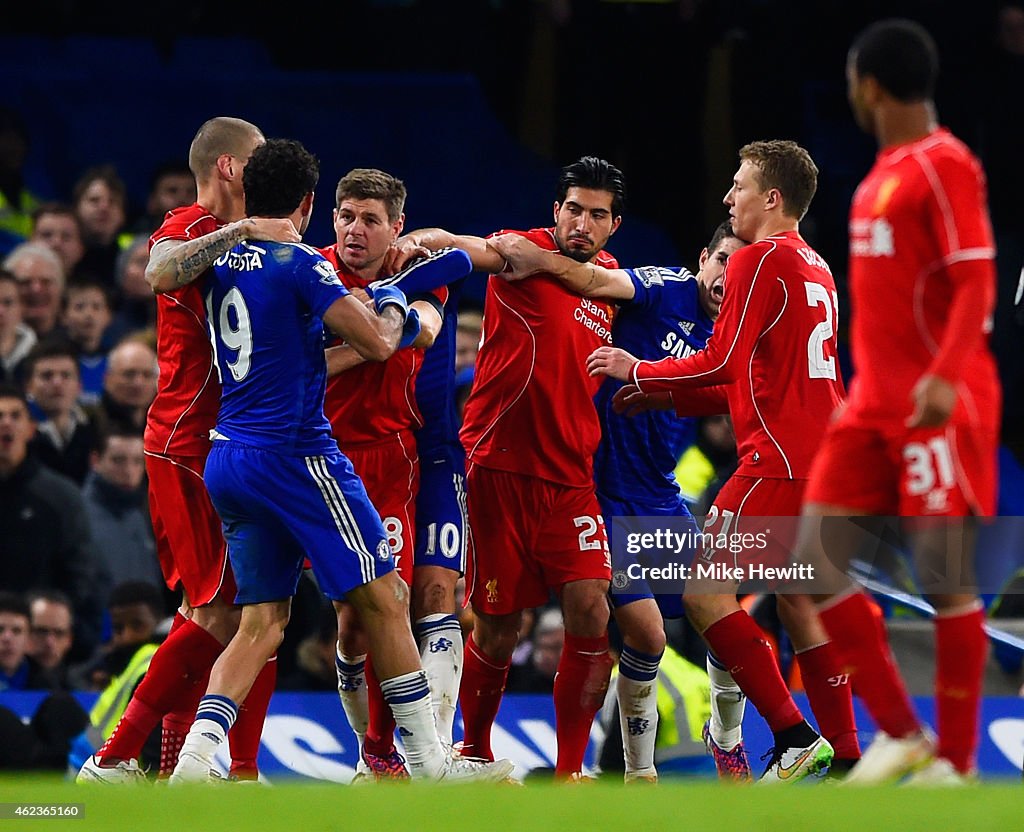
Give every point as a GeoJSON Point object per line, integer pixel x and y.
{"type": "Point", "coordinates": [649, 639]}
{"type": "Point", "coordinates": [497, 636]}
{"type": "Point", "coordinates": [585, 614]}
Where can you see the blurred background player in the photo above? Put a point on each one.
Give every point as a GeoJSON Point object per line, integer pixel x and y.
{"type": "Point", "coordinates": [375, 430]}
{"type": "Point", "coordinates": [523, 453]}
{"type": "Point", "coordinates": [188, 533]}
{"type": "Point", "coordinates": [663, 311]}
{"type": "Point", "coordinates": [759, 331]}
{"type": "Point", "coordinates": [918, 436]}
{"type": "Point", "coordinates": [281, 486]}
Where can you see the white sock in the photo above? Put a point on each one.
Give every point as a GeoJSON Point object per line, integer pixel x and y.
{"type": "Point", "coordinates": [409, 698]}
{"type": "Point", "coordinates": [440, 641]}
{"type": "Point", "coordinates": [728, 703]}
{"type": "Point", "coordinates": [352, 691]}
{"type": "Point", "coordinates": [637, 690]}
{"type": "Point", "coordinates": [214, 718]}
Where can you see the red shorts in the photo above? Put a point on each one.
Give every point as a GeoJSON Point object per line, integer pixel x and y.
{"type": "Point", "coordinates": [189, 540]}
{"type": "Point", "coordinates": [759, 518]}
{"type": "Point", "coordinates": [934, 472]}
{"type": "Point", "coordinates": [390, 471]}
{"type": "Point", "coordinates": [531, 536]}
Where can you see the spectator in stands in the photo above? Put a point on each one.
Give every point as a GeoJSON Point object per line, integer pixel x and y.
{"type": "Point", "coordinates": [88, 311]}
{"type": "Point", "coordinates": [136, 311]}
{"type": "Point", "coordinates": [100, 201]}
{"type": "Point", "coordinates": [129, 385]}
{"type": "Point", "coordinates": [16, 201]}
{"type": "Point", "coordinates": [467, 338]}
{"type": "Point", "coordinates": [118, 667]}
{"type": "Point", "coordinates": [135, 609]}
{"type": "Point", "coordinates": [172, 186]}
{"type": "Point", "coordinates": [18, 670]}
{"type": "Point", "coordinates": [55, 224]}
{"type": "Point", "coordinates": [40, 275]}
{"type": "Point", "coordinates": [538, 675]}
{"type": "Point", "coordinates": [51, 632]}
{"type": "Point", "coordinates": [16, 337]}
{"type": "Point", "coordinates": [65, 431]}
{"type": "Point", "coordinates": [115, 503]}
{"type": "Point", "coordinates": [46, 539]}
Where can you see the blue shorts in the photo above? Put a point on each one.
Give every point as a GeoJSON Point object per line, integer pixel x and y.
{"type": "Point", "coordinates": [276, 510]}
{"type": "Point", "coordinates": [671, 606]}
{"type": "Point", "coordinates": [442, 524]}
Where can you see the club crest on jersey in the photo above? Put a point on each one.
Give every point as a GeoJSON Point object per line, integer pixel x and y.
{"type": "Point", "coordinates": [328, 276]}
{"type": "Point", "coordinates": [383, 550]}
{"type": "Point", "coordinates": [885, 192]}
{"type": "Point", "coordinates": [492, 591]}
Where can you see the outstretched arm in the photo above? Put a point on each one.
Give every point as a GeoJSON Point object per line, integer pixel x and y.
{"type": "Point", "coordinates": [588, 279]}
{"type": "Point", "coordinates": [175, 263]}
{"type": "Point", "coordinates": [425, 240]}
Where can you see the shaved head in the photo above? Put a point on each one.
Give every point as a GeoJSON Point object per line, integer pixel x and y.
{"type": "Point", "coordinates": [218, 136]}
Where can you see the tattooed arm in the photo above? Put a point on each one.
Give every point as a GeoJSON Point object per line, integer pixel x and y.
{"type": "Point", "coordinates": [174, 263]}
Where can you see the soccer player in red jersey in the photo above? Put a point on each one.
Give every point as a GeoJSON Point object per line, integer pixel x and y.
{"type": "Point", "coordinates": [773, 344]}
{"type": "Point", "coordinates": [530, 431]}
{"type": "Point", "coordinates": [375, 430]}
{"type": "Point", "coordinates": [918, 435]}
{"type": "Point", "coordinates": [188, 531]}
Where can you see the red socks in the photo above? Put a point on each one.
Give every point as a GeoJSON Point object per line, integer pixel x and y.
{"type": "Point", "coordinates": [741, 647]}
{"type": "Point", "coordinates": [182, 661]}
{"type": "Point", "coordinates": [831, 698]}
{"type": "Point", "coordinates": [961, 647]}
{"type": "Point", "coordinates": [380, 729]}
{"type": "Point", "coordinates": [244, 736]}
{"type": "Point", "coordinates": [857, 630]}
{"type": "Point", "coordinates": [580, 686]}
{"type": "Point", "coordinates": [483, 682]}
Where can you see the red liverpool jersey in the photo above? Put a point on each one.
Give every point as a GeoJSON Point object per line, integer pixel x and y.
{"type": "Point", "coordinates": [531, 409]}
{"type": "Point", "coordinates": [188, 390]}
{"type": "Point", "coordinates": [919, 235]}
{"type": "Point", "coordinates": [374, 400]}
{"type": "Point", "coordinates": [774, 344]}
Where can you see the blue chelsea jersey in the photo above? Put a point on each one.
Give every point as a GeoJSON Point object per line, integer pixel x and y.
{"type": "Point", "coordinates": [264, 304]}
{"type": "Point", "coordinates": [638, 454]}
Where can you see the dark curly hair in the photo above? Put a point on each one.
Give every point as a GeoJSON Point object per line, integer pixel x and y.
{"type": "Point", "coordinates": [277, 177]}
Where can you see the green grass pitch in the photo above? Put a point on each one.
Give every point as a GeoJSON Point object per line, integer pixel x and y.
{"type": "Point", "coordinates": [593, 807]}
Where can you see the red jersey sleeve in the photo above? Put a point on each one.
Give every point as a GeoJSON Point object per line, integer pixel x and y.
{"type": "Point", "coordinates": [959, 219]}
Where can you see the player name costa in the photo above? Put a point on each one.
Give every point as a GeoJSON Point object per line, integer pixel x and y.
{"type": "Point", "coordinates": [720, 572]}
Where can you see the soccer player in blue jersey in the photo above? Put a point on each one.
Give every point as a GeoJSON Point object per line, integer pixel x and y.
{"type": "Point", "coordinates": [442, 524]}
{"type": "Point", "coordinates": [663, 312]}
{"type": "Point", "coordinates": [277, 479]}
